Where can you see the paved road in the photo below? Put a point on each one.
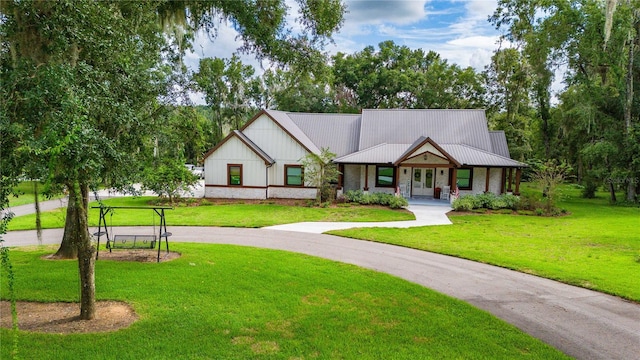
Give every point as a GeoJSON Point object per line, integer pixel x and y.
{"type": "Point", "coordinates": [196, 191]}
{"type": "Point", "coordinates": [582, 323]}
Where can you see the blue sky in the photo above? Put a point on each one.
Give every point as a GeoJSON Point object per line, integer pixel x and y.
{"type": "Point", "coordinates": [458, 30]}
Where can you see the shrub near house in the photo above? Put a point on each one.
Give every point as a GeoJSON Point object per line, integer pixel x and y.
{"type": "Point", "coordinates": [486, 201]}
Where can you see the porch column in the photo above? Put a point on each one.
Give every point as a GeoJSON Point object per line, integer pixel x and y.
{"type": "Point", "coordinates": [340, 176]}
{"type": "Point", "coordinates": [503, 180]}
{"type": "Point", "coordinates": [486, 183]}
{"type": "Point", "coordinates": [397, 180]}
{"type": "Point", "coordinates": [518, 176]}
{"type": "Point", "coordinates": [509, 189]}
{"type": "Point", "coordinates": [454, 178]}
{"type": "Point", "coordinates": [366, 177]}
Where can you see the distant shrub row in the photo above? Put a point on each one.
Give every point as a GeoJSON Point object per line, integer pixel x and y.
{"type": "Point", "coordinates": [486, 201]}
{"type": "Point", "coordinates": [390, 200]}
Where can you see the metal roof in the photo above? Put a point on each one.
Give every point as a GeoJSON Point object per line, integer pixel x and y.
{"type": "Point", "coordinates": [337, 132]}
{"type": "Point", "coordinates": [468, 155]}
{"type": "Point", "coordinates": [379, 154]}
{"type": "Point", "coordinates": [499, 143]}
{"type": "Point", "coordinates": [256, 149]}
{"type": "Point", "coordinates": [444, 126]}
{"type": "Point", "coordinates": [283, 119]}
{"type": "Point", "coordinates": [386, 136]}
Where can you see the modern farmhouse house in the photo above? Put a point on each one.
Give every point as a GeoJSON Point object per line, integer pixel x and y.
{"type": "Point", "coordinates": [410, 152]}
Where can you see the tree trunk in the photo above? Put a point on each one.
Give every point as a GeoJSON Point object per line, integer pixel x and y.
{"type": "Point", "coordinates": [545, 116]}
{"type": "Point", "coordinates": [76, 242]}
{"type": "Point", "coordinates": [612, 191]}
{"type": "Point", "coordinates": [67, 250]}
{"type": "Point", "coordinates": [631, 187]}
{"type": "Point", "coordinates": [38, 218]}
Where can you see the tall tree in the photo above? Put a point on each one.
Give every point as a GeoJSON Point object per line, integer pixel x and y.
{"type": "Point", "coordinates": [210, 80]}
{"type": "Point", "coordinates": [597, 44]}
{"type": "Point", "coordinates": [227, 87]}
{"type": "Point", "coordinates": [82, 77]}
{"type": "Point", "coordinates": [509, 82]}
{"type": "Point", "coordinates": [398, 77]}
{"type": "Point", "coordinates": [82, 81]}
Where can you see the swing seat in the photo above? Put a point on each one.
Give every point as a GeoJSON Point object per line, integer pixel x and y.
{"type": "Point", "coordinates": [132, 242]}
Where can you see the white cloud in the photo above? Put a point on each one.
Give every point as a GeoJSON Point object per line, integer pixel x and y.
{"type": "Point", "coordinates": [385, 11]}
{"type": "Point", "coordinates": [477, 41]}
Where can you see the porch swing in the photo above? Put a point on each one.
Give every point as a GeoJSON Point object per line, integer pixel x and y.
{"type": "Point", "coordinates": [132, 241]}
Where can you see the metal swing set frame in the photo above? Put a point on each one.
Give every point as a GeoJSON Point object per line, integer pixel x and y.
{"type": "Point", "coordinates": [133, 241]}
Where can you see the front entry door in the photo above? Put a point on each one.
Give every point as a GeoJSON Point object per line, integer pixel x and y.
{"type": "Point", "coordinates": [422, 182]}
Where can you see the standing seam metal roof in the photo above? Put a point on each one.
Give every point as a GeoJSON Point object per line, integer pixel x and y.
{"type": "Point", "coordinates": [403, 126]}
{"type": "Point", "coordinates": [499, 143]}
{"type": "Point", "coordinates": [337, 132]}
{"type": "Point", "coordinates": [379, 154]}
{"type": "Point", "coordinates": [383, 136]}
{"type": "Point", "coordinates": [468, 155]}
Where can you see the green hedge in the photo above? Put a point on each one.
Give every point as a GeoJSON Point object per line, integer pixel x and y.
{"type": "Point", "coordinates": [486, 201]}
{"type": "Point", "coordinates": [390, 200]}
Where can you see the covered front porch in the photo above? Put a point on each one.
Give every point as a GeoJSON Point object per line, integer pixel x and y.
{"type": "Point", "coordinates": [424, 170]}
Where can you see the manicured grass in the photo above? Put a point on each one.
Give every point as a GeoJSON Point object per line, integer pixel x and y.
{"type": "Point", "coordinates": [24, 192]}
{"type": "Point", "coordinates": [597, 246]}
{"type": "Point", "coordinates": [232, 215]}
{"type": "Point", "coordinates": [229, 302]}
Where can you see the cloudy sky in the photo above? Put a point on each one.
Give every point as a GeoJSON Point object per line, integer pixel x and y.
{"type": "Point", "coordinates": [457, 29]}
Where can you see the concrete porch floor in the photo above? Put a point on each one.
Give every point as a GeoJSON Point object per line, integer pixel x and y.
{"type": "Point", "coordinates": [427, 200]}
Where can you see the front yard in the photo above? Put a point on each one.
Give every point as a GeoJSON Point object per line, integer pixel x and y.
{"type": "Point", "coordinates": [250, 214]}
{"type": "Point", "coordinates": [596, 246]}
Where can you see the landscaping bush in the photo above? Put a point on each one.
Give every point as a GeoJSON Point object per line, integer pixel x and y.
{"type": "Point", "coordinates": [486, 201]}
{"type": "Point", "coordinates": [464, 203]}
{"type": "Point", "coordinates": [354, 196]}
{"type": "Point", "coordinates": [511, 201]}
{"type": "Point", "coordinates": [390, 200]}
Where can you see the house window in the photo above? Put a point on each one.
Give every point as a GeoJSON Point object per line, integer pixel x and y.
{"type": "Point", "coordinates": [234, 174]}
{"type": "Point", "coordinates": [385, 176]}
{"type": "Point", "coordinates": [293, 175]}
{"type": "Point", "coordinates": [465, 179]}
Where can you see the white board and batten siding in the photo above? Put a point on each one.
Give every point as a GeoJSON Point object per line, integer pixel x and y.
{"type": "Point", "coordinates": [270, 181]}
{"type": "Point", "coordinates": [285, 150]}
{"type": "Point", "coordinates": [235, 152]}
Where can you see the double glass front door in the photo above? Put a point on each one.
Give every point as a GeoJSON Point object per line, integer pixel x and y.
{"type": "Point", "coordinates": [422, 182]}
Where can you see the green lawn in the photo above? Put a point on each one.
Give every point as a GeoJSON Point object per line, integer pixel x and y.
{"type": "Point", "coordinates": [233, 215]}
{"type": "Point", "coordinates": [24, 192]}
{"type": "Point", "coordinates": [597, 246]}
{"type": "Point", "coordinates": [229, 302]}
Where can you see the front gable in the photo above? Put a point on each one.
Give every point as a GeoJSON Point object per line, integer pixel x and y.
{"type": "Point", "coordinates": [423, 150]}
{"type": "Point", "coordinates": [234, 151]}
{"type": "Point", "coordinates": [275, 140]}
{"type": "Point", "coordinates": [426, 157]}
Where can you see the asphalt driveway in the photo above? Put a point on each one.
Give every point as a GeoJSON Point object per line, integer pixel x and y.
{"type": "Point", "coordinates": [582, 323]}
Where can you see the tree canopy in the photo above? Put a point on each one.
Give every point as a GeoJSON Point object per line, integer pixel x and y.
{"type": "Point", "coordinates": [83, 82]}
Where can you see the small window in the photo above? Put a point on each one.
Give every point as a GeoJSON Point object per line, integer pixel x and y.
{"type": "Point", "coordinates": [293, 175]}
{"type": "Point", "coordinates": [465, 179]}
{"type": "Point", "coordinates": [385, 176]}
{"type": "Point", "coordinates": [234, 174]}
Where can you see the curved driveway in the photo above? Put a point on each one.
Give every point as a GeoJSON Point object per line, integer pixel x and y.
{"type": "Point", "coordinates": [582, 323]}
